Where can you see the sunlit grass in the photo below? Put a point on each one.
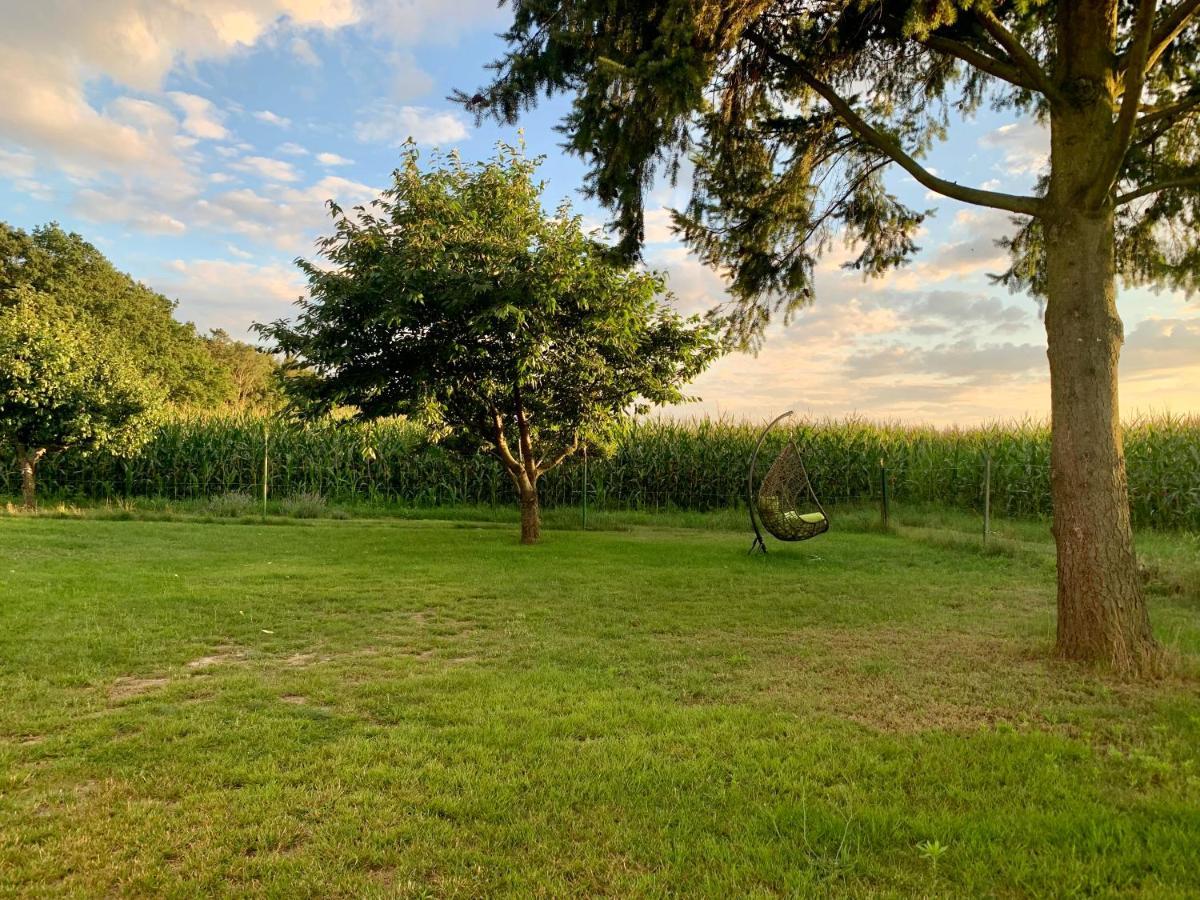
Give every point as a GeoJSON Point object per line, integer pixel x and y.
{"type": "Point", "coordinates": [382, 708]}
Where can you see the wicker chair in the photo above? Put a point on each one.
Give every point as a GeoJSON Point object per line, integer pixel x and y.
{"type": "Point", "coordinates": [784, 503]}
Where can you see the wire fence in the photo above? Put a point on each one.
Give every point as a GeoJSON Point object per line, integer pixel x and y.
{"type": "Point", "coordinates": [652, 466]}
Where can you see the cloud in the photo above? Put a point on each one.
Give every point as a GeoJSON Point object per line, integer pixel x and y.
{"type": "Point", "coordinates": [303, 51]}
{"type": "Point", "coordinates": [1156, 344]}
{"type": "Point", "coordinates": [200, 117]}
{"type": "Point", "coordinates": [265, 115]}
{"type": "Point", "coordinates": [293, 149]}
{"type": "Point", "coordinates": [393, 125]}
{"type": "Point", "coordinates": [97, 206]}
{"type": "Point", "coordinates": [332, 159]}
{"type": "Point", "coordinates": [53, 52]}
{"type": "Point", "coordinates": [270, 169]}
{"type": "Point", "coordinates": [233, 295]}
{"type": "Point", "coordinates": [1024, 147]}
{"type": "Point", "coordinates": [658, 226]}
{"type": "Point", "coordinates": [409, 80]}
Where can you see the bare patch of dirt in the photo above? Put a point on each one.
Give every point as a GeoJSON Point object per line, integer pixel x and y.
{"type": "Point", "coordinates": [220, 656]}
{"type": "Point", "coordinates": [294, 699]}
{"type": "Point", "coordinates": [128, 686]}
{"type": "Point", "coordinates": [300, 659]}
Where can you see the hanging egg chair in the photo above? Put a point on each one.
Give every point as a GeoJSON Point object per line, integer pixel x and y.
{"type": "Point", "coordinates": [784, 503]}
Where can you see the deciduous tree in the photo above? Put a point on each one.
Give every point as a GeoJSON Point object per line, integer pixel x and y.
{"type": "Point", "coordinates": [64, 385]}
{"type": "Point", "coordinates": [456, 299]}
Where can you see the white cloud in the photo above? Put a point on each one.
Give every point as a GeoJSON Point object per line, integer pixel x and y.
{"type": "Point", "coordinates": [98, 206]}
{"type": "Point", "coordinates": [332, 159]}
{"type": "Point", "coordinates": [265, 115]}
{"type": "Point", "coordinates": [390, 124]}
{"type": "Point", "coordinates": [293, 149]}
{"type": "Point", "coordinates": [232, 295]}
{"type": "Point", "coordinates": [303, 51]}
{"type": "Point", "coordinates": [271, 169]}
{"type": "Point", "coordinates": [1025, 146]}
{"type": "Point", "coordinates": [658, 226]}
{"type": "Point", "coordinates": [200, 117]}
{"type": "Point", "coordinates": [17, 165]}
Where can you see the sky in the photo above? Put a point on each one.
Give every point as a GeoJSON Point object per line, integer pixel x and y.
{"type": "Point", "coordinates": [195, 142]}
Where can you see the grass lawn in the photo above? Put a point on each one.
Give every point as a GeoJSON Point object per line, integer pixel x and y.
{"type": "Point", "coordinates": [405, 708]}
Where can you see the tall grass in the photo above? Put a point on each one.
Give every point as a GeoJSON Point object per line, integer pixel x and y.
{"type": "Point", "coordinates": [698, 465]}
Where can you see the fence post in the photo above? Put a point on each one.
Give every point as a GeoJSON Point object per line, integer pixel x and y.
{"type": "Point", "coordinates": [883, 494]}
{"type": "Point", "coordinates": [987, 495]}
{"type": "Point", "coordinates": [266, 472]}
{"type": "Point", "coordinates": [585, 486]}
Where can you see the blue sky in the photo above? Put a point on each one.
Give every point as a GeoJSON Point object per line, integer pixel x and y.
{"type": "Point", "coordinates": [195, 142]}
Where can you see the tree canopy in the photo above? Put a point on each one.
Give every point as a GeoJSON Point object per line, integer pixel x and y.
{"type": "Point", "coordinates": [74, 281]}
{"type": "Point", "coordinates": [793, 111]}
{"type": "Point", "coordinates": [454, 298]}
{"type": "Point", "coordinates": [64, 385]}
{"type": "Point", "coordinates": [251, 380]}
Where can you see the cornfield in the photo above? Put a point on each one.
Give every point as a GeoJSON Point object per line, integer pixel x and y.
{"type": "Point", "coordinates": [698, 465]}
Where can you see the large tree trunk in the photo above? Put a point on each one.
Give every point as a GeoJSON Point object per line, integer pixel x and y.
{"type": "Point", "coordinates": [531, 518]}
{"type": "Point", "coordinates": [1102, 615]}
{"type": "Point", "coordinates": [1101, 610]}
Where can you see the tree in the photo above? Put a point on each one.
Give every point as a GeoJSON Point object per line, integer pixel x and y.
{"type": "Point", "coordinates": [792, 111]}
{"type": "Point", "coordinates": [73, 278]}
{"type": "Point", "coordinates": [252, 376]}
{"type": "Point", "coordinates": [62, 385]}
{"type": "Point", "coordinates": [456, 300]}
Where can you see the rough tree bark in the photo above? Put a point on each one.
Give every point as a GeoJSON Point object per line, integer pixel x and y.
{"type": "Point", "coordinates": [531, 519]}
{"type": "Point", "coordinates": [29, 460]}
{"type": "Point", "coordinates": [1102, 615]}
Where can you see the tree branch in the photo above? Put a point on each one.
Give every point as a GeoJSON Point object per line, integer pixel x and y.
{"type": "Point", "coordinates": [528, 463]}
{"type": "Point", "coordinates": [544, 466]}
{"type": "Point", "coordinates": [502, 448]}
{"type": "Point", "coordinates": [980, 60]}
{"type": "Point", "coordinates": [1135, 78]}
{"type": "Point", "coordinates": [1015, 49]}
{"type": "Point", "coordinates": [889, 146]}
{"type": "Point", "coordinates": [1167, 184]}
{"type": "Point", "coordinates": [1170, 111]}
{"type": "Point", "coordinates": [1168, 29]}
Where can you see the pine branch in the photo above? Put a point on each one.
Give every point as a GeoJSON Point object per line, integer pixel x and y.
{"type": "Point", "coordinates": [889, 146]}
{"type": "Point", "coordinates": [1135, 78]}
{"type": "Point", "coordinates": [1172, 25]}
{"type": "Point", "coordinates": [1015, 49]}
{"type": "Point", "coordinates": [1005, 71]}
{"type": "Point", "coordinates": [1169, 112]}
{"type": "Point", "coordinates": [1166, 184]}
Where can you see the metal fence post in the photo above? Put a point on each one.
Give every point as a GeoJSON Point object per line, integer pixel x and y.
{"type": "Point", "coordinates": [883, 494]}
{"type": "Point", "coordinates": [266, 471]}
{"type": "Point", "coordinates": [585, 486]}
{"type": "Point", "coordinates": [987, 495]}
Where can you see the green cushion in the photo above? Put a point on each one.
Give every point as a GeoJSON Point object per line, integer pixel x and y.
{"type": "Point", "coordinates": [813, 518]}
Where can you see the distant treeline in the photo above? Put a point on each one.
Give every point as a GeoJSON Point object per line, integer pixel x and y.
{"type": "Point", "coordinates": [65, 278]}
{"type": "Point", "coordinates": [653, 464]}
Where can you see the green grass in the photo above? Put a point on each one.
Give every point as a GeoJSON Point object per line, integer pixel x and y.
{"type": "Point", "coordinates": [405, 708]}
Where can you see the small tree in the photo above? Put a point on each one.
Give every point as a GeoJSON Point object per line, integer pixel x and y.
{"type": "Point", "coordinates": [455, 299]}
{"type": "Point", "coordinates": [62, 386]}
